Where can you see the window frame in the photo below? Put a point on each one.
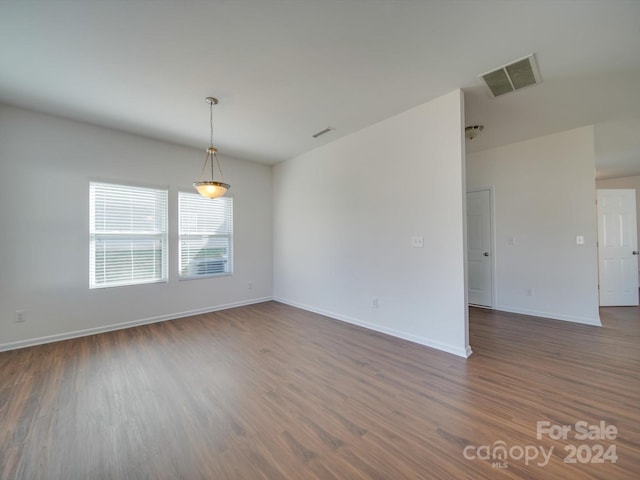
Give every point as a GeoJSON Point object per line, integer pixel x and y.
{"type": "Point", "coordinates": [160, 235]}
{"type": "Point", "coordinates": [195, 236]}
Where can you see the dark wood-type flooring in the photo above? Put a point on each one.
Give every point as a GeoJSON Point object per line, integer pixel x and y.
{"type": "Point", "coordinates": [272, 392]}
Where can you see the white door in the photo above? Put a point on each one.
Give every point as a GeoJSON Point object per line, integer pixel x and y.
{"type": "Point", "coordinates": [617, 247]}
{"type": "Point", "coordinates": [479, 248]}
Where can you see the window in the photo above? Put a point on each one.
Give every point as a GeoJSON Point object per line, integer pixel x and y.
{"type": "Point", "coordinates": [206, 235]}
{"type": "Point", "coordinates": [128, 235]}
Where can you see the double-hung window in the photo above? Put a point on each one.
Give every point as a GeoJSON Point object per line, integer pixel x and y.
{"type": "Point", "coordinates": [206, 235]}
{"type": "Point", "coordinates": [128, 235]}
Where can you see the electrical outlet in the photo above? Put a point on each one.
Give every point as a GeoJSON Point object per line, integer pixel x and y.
{"type": "Point", "coordinates": [374, 303]}
{"type": "Point", "coordinates": [250, 286]}
{"type": "Point", "coordinates": [21, 316]}
{"type": "Point", "coordinates": [529, 292]}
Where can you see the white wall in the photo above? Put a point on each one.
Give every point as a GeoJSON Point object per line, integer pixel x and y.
{"type": "Point", "coordinates": [626, 183]}
{"type": "Point", "coordinates": [544, 197]}
{"type": "Point", "coordinates": [45, 167]}
{"type": "Point", "coordinates": [343, 238]}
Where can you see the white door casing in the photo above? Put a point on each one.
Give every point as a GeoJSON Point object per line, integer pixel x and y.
{"type": "Point", "coordinates": [617, 247]}
{"type": "Point", "coordinates": [480, 247]}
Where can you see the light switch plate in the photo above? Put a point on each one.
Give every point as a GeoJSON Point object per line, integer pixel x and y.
{"type": "Point", "coordinates": [579, 240]}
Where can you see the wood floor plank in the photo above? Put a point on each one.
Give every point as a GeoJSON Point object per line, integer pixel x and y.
{"type": "Point", "coordinates": [269, 391]}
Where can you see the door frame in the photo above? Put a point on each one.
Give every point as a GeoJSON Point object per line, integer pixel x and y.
{"type": "Point", "coordinates": [492, 242]}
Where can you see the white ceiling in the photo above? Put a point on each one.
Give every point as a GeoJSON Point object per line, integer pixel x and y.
{"type": "Point", "coordinates": [285, 69]}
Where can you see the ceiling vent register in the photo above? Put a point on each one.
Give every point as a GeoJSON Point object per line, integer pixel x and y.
{"type": "Point", "coordinates": [514, 76]}
{"type": "Point", "coordinates": [322, 132]}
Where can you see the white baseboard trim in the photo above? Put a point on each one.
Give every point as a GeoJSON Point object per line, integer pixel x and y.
{"type": "Point", "coordinates": [461, 352]}
{"type": "Point", "coordinates": [551, 315]}
{"type": "Point", "coordinates": [30, 342]}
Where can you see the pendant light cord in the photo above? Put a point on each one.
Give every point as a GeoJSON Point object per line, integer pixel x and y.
{"type": "Point", "coordinates": [210, 155]}
{"type": "Point", "coordinates": [215, 155]}
{"type": "Point", "coordinates": [219, 169]}
{"type": "Point", "coordinates": [204, 166]}
{"type": "Point", "coordinates": [211, 124]}
{"type": "Point", "coordinates": [211, 138]}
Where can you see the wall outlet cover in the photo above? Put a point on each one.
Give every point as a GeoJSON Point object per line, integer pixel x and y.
{"type": "Point", "coordinates": [417, 242]}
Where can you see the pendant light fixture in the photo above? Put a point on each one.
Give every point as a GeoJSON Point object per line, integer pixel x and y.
{"type": "Point", "coordinates": [473, 131]}
{"type": "Point", "coordinates": [211, 188]}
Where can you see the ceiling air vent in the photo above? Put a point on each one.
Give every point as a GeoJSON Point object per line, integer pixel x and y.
{"type": "Point", "coordinates": [514, 76]}
{"type": "Point", "coordinates": [322, 132]}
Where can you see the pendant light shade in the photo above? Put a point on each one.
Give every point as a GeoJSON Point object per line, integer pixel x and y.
{"type": "Point", "coordinates": [211, 188]}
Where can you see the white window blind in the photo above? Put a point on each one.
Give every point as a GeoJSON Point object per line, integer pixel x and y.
{"type": "Point", "coordinates": [206, 235]}
{"type": "Point", "coordinates": [128, 235]}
